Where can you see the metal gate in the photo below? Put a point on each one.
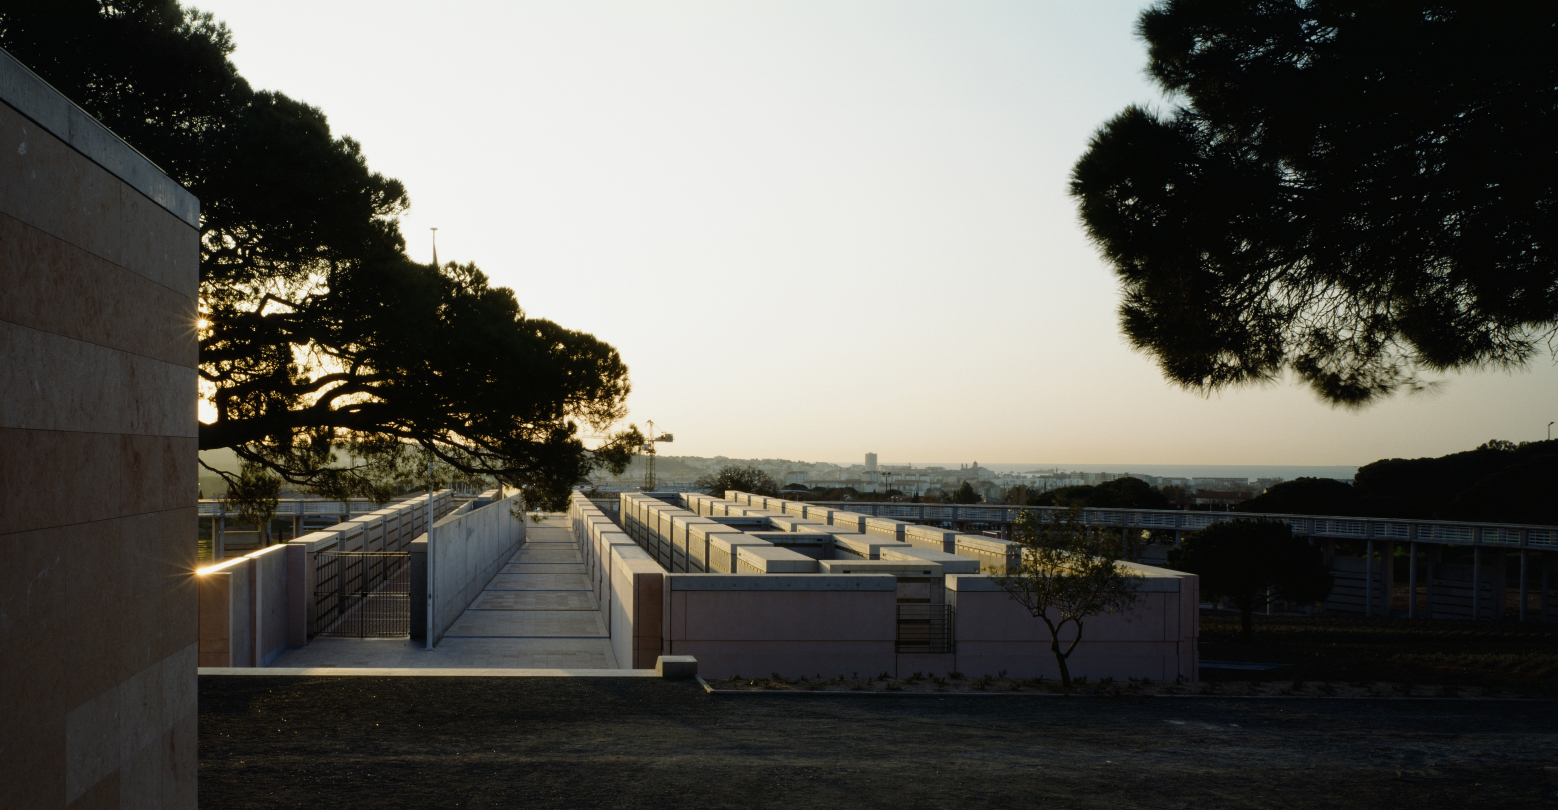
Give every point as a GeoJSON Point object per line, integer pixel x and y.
{"type": "Point", "coordinates": [362, 594]}
{"type": "Point", "coordinates": [924, 628]}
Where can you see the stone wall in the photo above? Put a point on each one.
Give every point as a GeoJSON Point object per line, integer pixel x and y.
{"type": "Point", "coordinates": [99, 272]}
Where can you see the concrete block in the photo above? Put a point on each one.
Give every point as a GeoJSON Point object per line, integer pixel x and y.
{"type": "Point", "coordinates": [677, 667]}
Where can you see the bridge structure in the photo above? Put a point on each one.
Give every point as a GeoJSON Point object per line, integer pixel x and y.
{"type": "Point", "coordinates": [1375, 582]}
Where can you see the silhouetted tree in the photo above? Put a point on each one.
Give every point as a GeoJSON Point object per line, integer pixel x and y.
{"type": "Point", "coordinates": [1305, 496]}
{"type": "Point", "coordinates": [748, 479]}
{"type": "Point", "coordinates": [1353, 191]}
{"type": "Point", "coordinates": [965, 494]}
{"type": "Point", "coordinates": [1253, 563]}
{"type": "Point", "coordinates": [1069, 572]}
{"type": "Point", "coordinates": [1121, 493]}
{"type": "Point", "coordinates": [319, 332]}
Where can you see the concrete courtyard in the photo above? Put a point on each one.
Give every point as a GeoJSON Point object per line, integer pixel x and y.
{"type": "Point", "coordinates": [446, 742]}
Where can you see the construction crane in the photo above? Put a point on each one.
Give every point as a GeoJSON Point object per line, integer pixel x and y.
{"type": "Point", "coordinates": [649, 455]}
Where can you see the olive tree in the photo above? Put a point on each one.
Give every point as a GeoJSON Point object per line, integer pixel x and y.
{"type": "Point", "coordinates": [1068, 572]}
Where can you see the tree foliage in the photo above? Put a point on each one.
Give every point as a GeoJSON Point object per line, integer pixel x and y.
{"type": "Point", "coordinates": [965, 494]}
{"type": "Point", "coordinates": [1305, 496]}
{"type": "Point", "coordinates": [1121, 493]}
{"type": "Point", "coordinates": [748, 479]}
{"type": "Point", "coordinates": [319, 332]}
{"type": "Point", "coordinates": [1358, 192]}
{"type": "Point", "coordinates": [254, 496]}
{"type": "Point", "coordinates": [1069, 572]}
{"type": "Point", "coordinates": [1253, 563]}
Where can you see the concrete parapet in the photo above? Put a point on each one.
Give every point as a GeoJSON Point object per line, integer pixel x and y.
{"type": "Point", "coordinates": [885, 527]}
{"type": "Point", "coordinates": [722, 550]}
{"type": "Point", "coordinates": [861, 546]}
{"type": "Point", "coordinates": [849, 521]}
{"type": "Point", "coordinates": [897, 568]}
{"type": "Point", "coordinates": [773, 560]}
{"type": "Point", "coordinates": [792, 523]}
{"type": "Point", "coordinates": [950, 563]}
{"type": "Point", "coordinates": [999, 556]}
{"type": "Point", "coordinates": [932, 537]}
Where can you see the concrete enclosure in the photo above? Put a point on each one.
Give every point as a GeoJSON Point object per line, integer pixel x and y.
{"type": "Point", "coordinates": [747, 586]}
{"type": "Point", "coordinates": [99, 274]}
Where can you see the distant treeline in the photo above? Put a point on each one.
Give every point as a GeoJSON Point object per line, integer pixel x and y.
{"type": "Point", "coordinates": [1500, 482]}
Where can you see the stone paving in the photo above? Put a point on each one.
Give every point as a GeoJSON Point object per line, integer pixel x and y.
{"type": "Point", "coordinates": [537, 613]}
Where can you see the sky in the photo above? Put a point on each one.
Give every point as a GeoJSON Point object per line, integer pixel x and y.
{"type": "Point", "coordinates": [814, 229]}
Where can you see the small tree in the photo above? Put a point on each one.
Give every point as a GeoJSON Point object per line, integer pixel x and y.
{"type": "Point", "coordinates": [1253, 563]}
{"type": "Point", "coordinates": [1068, 572]}
{"type": "Point", "coordinates": [743, 479]}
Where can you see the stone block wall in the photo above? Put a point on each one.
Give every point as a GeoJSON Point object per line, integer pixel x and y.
{"type": "Point", "coordinates": [99, 273]}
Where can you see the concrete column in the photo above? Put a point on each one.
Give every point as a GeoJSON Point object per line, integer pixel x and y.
{"type": "Point", "coordinates": [1433, 555]}
{"type": "Point", "coordinates": [1476, 583]}
{"type": "Point", "coordinates": [1548, 561]}
{"type": "Point", "coordinates": [297, 525]}
{"type": "Point", "coordinates": [1368, 579]}
{"type": "Point", "coordinates": [1500, 584]}
{"type": "Point", "coordinates": [1412, 580]}
{"type": "Point", "coordinates": [1388, 578]}
{"type": "Point", "coordinates": [1525, 562]}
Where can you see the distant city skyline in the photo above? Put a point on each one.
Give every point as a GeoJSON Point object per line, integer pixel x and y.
{"type": "Point", "coordinates": [812, 226]}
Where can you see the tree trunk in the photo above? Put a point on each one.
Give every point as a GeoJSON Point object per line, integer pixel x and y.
{"type": "Point", "coordinates": [1060, 658]}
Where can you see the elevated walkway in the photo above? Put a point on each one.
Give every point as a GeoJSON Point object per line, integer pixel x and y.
{"type": "Point", "coordinates": [538, 612]}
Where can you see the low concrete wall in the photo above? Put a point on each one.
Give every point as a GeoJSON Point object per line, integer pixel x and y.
{"type": "Point", "coordinates": [468, 549]}
{"type": "Point", "coordinates": [244, 610]}
{"type": "Point", "coordinates": [255, 607]}
{"type": "Point", "coordinates": [790, 624]}
{"type": "Point", "coordinates": [1155, 640]}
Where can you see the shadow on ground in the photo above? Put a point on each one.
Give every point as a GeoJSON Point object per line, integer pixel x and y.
{"type": "Point", "coordinates": [439, 742]}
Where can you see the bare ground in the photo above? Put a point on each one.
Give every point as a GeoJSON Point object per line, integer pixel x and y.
{"type": "Point", "coordinates": [279, 742]}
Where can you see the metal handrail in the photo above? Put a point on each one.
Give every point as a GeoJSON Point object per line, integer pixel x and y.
{"type": "Point", "coordinates": [1442, 532]}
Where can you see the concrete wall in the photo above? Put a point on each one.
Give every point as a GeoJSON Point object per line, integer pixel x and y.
{"type": "Point", "coordinates": [627, 583]}
{"type": "Point", "coordinates": [467, 550]}
{"type": "Point", "coordinates": [801, 624]}
{"type": "Point", "coordinates": [1155, 640]}
{"type": "Point", "coordinates": [255, 607]}
{"type": "Point", "coordinates": [99, 270]}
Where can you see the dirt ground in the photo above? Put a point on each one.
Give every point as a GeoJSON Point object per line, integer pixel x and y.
{"type": "Point", "coordinates": [1503, 657]}
{"type": "Point", "coordinates": [432, 742]}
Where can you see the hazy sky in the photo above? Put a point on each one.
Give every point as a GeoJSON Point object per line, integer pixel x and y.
{"type": "Point", "coordinates": [813, 229]}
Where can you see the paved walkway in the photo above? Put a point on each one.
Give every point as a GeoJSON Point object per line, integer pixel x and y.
{"type": "Point", "coordinates": [537, 613]}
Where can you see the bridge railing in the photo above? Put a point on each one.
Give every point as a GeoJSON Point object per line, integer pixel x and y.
{"type": "Point", "coordinates": [1511, 535]}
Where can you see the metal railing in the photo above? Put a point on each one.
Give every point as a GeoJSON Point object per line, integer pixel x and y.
{"type": "Point", "coordinates": [362, 594]}
{"type": "Point", "coordinates": [1441, 532]}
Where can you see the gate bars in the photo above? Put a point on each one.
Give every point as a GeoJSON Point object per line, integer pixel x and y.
{"type": "Point", "coordinates": [362, 594]}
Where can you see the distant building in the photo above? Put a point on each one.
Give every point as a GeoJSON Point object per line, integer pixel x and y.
{"type": "Point", "coordinates": [870, 462]}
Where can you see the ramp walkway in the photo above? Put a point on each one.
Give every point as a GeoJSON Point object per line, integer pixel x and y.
{"type": "Point", "coordinates": [537, 613]}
